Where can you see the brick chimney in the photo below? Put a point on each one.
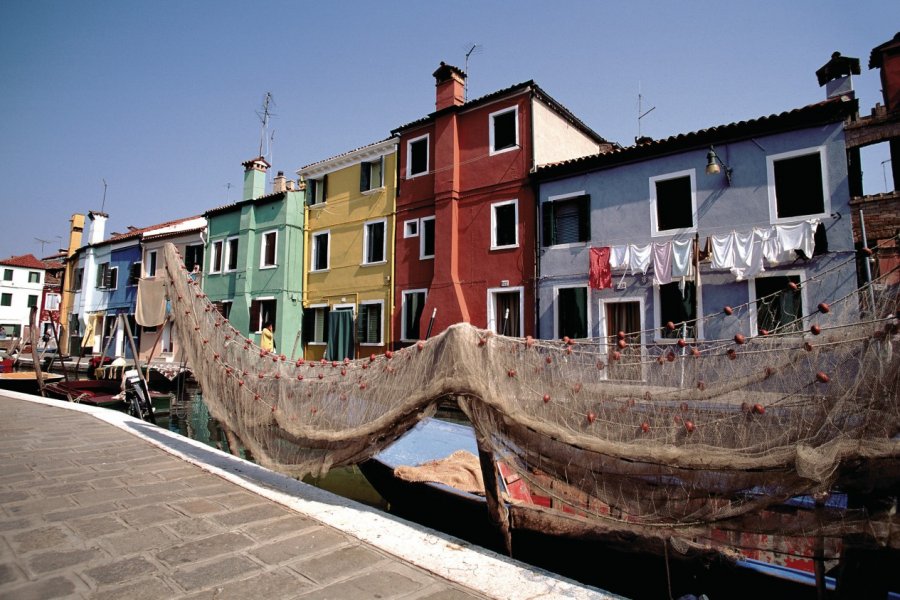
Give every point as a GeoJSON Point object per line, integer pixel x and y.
{"type": "Point", "coordinates": [451, 86]}
{"type": "Point", "coordinates": [255, 177]}
{"type": "Point", "coordinates": [835, 75]}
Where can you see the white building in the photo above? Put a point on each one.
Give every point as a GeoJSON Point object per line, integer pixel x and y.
{"type": "Point", "coordinates": [21, 287]}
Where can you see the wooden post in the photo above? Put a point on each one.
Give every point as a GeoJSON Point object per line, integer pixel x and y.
{"type": "Point", "coordinates": [492, 493]}
{"type": "Point", "coordinates": [34, 355]}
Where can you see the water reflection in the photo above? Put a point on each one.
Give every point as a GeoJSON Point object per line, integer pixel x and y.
{"type": "Point", "coordinates": [189, 416]}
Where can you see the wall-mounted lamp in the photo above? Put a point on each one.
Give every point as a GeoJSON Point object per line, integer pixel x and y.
{"type": "Point", "coordinates": [712, 164]}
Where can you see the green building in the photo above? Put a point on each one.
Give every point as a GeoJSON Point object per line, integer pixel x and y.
{"type": "Point", "coordinates": [254, 258]}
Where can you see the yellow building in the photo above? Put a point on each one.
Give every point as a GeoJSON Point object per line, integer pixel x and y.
{"type": "Point", "coordinates": [349, 252]}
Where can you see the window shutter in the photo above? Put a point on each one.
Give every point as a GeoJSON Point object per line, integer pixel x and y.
{"type": "Point", "coordinates": [362, 324]}
{"type": "Point", "coordinates": [135, 274]}
{"type": "Point", "coordinates": [108, 277]}
{"type": "Point", "coordinates": [254, 316]}
{"type": "Point", "coordinates": [584, 218]}
{"type": "Point", "coordinates": [373, 334]}
{"type": "Point", "coordinates": [324, 187]}
{"type": "Point", "coordinates": [308, 325]}
{"type": "Point", "coordinates": [549, 226]}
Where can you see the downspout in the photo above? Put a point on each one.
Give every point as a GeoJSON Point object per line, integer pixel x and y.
{"type": "Point", "coordinates": [304, 293]}
{"type": "Point", "coordinates": [535, 189]}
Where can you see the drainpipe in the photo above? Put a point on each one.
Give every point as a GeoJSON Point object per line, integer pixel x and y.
{"type": "Point", "coordinates": [535, 192]}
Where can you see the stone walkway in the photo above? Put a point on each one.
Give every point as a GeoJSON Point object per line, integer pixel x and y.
{"type": "Point", "coordinates": [94, 504]}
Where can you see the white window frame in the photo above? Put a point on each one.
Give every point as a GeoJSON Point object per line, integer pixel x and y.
{"type": "Point", "coordinates": [368, 165]}
{"type": "Point", "coordinates": [492, 318]}
{"type": "Point", "coordinates": [365, 247]}
{"type": "Point", "coordinates": [262, 249]}
{"type": "Point", "coordinates": [230, 304]}
{"type": "Point", "coordinates": [114, 278]}
{"type": "Point", "coordinates": [151, 260]}
{"type": "Point", "coordinates": [654, 224]}
{"type": "Point", "coordinates": [558, 198]}
{"type": "Point", "coordinates": [217, 250]}
{"type": "Point", "coordinates": [752, 298]}
{"type": "Point", "coordinates": [403, 304]}
{"type": "Point", "coordinates": [494, 207]}
{"type": "Point", "coordinates": [491, 126]}
{"type": "Point", "coordinates": [319, 184]}
{"type": "Point", "coordinates": [312, 255]}
{"type": "Point", "coordinates": [658, 325]}
{"type": "Point", "coordinates": [773, 200]}
{"type": "Point", "coordinates": [605, 333]}
{"type": "Point", "coordinates": [261, 299]}
{"type": "Point", "coordinates": [380, 341]}
{"type": "Point", "coordinates": [187, 246]}
{"type": "Point", "coordinates": [411, 228]}
{"type": "Point", "coordinates": [409, 144]}
{"type": "Point", "coordinates": [38, 278]}
{"type": "Point", "coordinates": [324, 341]}
{"type": "Point", "coordinates": [422, 255]}
{"type": "Point", "coordinates": [587, 307]}
{"type": "Point", "coordinates": [227, 256]}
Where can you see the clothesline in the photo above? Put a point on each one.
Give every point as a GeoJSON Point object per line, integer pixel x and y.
{"type": "Point", "coordinates": [743, 252]}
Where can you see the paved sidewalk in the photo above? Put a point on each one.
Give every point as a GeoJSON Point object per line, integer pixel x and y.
{"type": "Point", "coordinates": [94, 504]}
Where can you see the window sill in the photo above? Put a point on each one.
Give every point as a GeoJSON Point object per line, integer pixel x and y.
{"type": "Point", "coordinates": [316, 343]}
{"type": "Point", "coordinates": [429, 257]}
{"type": "Point", "coordinates": [371, 343]}
{"type": "Point", "coordinates": [504, 150]}
{"type": "Point", "coordinates": [798, 219]}
{"type": "Point", "coordinates": [372, 191]}
{"type": "Point", "coordinates": [267, 267]}
{"type": "Point", "coordinates": [673, 233]}
{"type": "Point", "coordinates": [567, 245]}
{"type": "Point", "coordinates": [510, 247]}
{"type": "Point", "coordinates": [414, 175]}
{"type": "Point", "coordinates": [373, 264]}
{"type": "Point", "coordinates": [319, 270]}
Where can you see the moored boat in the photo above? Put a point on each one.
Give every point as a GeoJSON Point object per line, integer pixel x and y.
{"type": "Point", "coordinates": [26, 381]}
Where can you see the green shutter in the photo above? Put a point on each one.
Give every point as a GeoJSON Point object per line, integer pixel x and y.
{"type": "Point", "coordinates": [584, 218]}
{"type": "Point", "coordinates": [549, 224]}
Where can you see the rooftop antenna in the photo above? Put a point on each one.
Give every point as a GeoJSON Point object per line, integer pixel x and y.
{"type": "Point", "coordinates": [43, 243]}
{"type": "Point", "coordinates": [270, 151]}
{"type": "Point", "coordinates": [228, 192]}
{"type": "Point", "coordinates": [641, 112]}
{"type": "Point", "coordinates": [103, 204]}
{"type": "Point", "coordinates": [264, 115]}
{"type": "Point", "coordinates": [475, 49]}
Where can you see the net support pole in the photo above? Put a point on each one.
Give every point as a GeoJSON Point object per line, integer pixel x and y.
{"type": "Point", "coordinates": [32, 334]}
{"type": "Point", "coordinates": [496, 507]}
{"type": "Point", "coordinates": [868, 269]}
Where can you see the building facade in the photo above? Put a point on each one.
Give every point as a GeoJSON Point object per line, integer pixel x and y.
{"type": "Point", "coordinates": [466, 209]}
{"type": "Point", "coordinates": [348, 293]}
{"type": "Point", "coordinates": [21, 289]}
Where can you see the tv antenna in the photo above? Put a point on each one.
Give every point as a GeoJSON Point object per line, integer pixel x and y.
{"type": "Point", "coordinates": [641, 112]}
{"type": "Point", "coordinates": [228, 187]}
{"type": "Point", "coordinates": [103, 204]}
{"type": "Point", "coordinates": [475, 49]}
{"type": "Point", "coordinates": [264, 114]}
{"type": "Point", "coordinates": [44, 243]}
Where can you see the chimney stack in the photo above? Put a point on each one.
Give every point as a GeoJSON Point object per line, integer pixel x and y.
{"type": "Point", "coordinates": [98, 226]}
{"type": "Point", "coordinates": [255, 177]}
{"type": "Point", "coordinates": [279, 185]}
{"type": "Point", "coordinates": [835, 75]}
{"type": "Point", "coordinates": [450, 82]}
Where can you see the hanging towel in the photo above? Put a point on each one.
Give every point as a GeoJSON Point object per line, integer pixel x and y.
{"type": "Point", "coordinates": [639, 257]}
{"type": "Point", "coordinates": [722, 251]}
{"type": "Point", "coordinates": [748, 254]}
{"type": "Point", "coordinates": [682, 258]}
{"type": "Point", "coordinates": [601, 274]}
{"type": "Point", "coordinates": [662, 262]}
{"type": "Point", "coordinates": [771, 249]}
{"type": "Point", "coordinates": [151, 302]}
{"type": "Point", "coordinates": [799, 236]}
{"type": "Point", "coordinates": [618, 257]}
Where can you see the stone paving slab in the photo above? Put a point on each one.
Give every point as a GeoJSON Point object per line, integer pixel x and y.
{"type": "Point", "coordinates": [94, 504]}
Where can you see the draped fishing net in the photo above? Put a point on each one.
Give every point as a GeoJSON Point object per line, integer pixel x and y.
{"type": "Point", "coordinates": [686, 441]}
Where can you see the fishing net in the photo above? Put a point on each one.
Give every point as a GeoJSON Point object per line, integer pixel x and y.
{"type": "Point", "coordinates": [791, 430]}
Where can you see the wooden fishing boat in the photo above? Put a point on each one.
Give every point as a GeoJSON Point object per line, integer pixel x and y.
{"type": "Point", "coordinates": [26, 381]}
{"type": "Point", "coordinates": [106, 393]}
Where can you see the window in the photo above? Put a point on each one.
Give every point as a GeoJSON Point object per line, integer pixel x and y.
{"type": "Point", "coordinates": [426, 238]}
{"type": "Point", "coordinates": [32, 300]}
{"type": "Point", "coordinates": [6, 299]}
{"type": "Point", "coordinates": [779, 307]}
{"type": "Point", "coordinates": [320, 251]}
{"type": "Point", "coordinates": [673, 203]}
{"type": "Point", "coordinates": [505, 311]}
{"type": "Point", "coordinates": [267, 250]}
{"type": "Point", "coordinates": [679, 307]}
{"type": "Point", "coordinates": [797, 185]}
{"type": "Point", "coordinates": [150, 263]}
{"type": "Point", "coordinates": [417, 156]}
{"type": "Point", "coordinates": [102, 274]}
{"type": "Point", "coordinates": [215, 261]}
{"type": "Point", "coordinates": [317, 190]}
{"type": "Point", "coordinates": [224, 307]}
{"type": "Point", "coordinates": [411, 308]}
{"type": "Point", "coordinates": [262, 311]}
{"type": "Point", "coordinates": [373, 242]}
{"type": "Point", "coordinates": [505, 224]}
{"type": "Point", "coordinates": [411, 228]}
{"type": "Point", "coordinates": [504, 130]}
{"type": "Point", "coordinates": [571, 312]}
{"type": "Point", "coordinates": [231, 254]}
{"type": "Point", "coordinates": [371, 175]}
{"type": "Point", "coordinates": [7, 274]}
{"type": "Point", "coordinates": [315, 324]}
{"type": "Point", "coordinates": [134, 274]}
{"type": "Point", "coordinates": [566, 220]}
{"type": "Point", "coordinates": [34, 277]}
{"type": "Point", "coordinates": [78, 279]}
{"type": "Point", "coordinates": [193, 257]}
{"type": "Point", "coordinates": [368, 323]}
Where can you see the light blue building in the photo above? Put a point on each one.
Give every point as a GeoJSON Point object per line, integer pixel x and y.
{"type": "Point", "coordinates": [681, 228]}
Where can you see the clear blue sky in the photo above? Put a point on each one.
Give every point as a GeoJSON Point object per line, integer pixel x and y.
{"type": "Point", "coordinates": [159, 98]}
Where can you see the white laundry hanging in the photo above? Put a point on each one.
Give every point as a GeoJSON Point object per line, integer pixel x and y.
{"type": "Point", "coordinates": [662, 262]}
{"type": "Point", "coordinates": [618, 257]}
{"type": "Point", "coordinates": [639, 257]}
{"type": "Point", "coordinates": [798, 236]}
{"type": "Point", "coordinates": [722, 251]}
{"type": "Point", "coordinates": [748, 254]}
{"type": "Point", "coordinates": [682, 258]}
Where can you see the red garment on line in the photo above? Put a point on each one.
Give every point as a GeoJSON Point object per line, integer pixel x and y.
{"type": "Point", "coordinates": [601, 274]}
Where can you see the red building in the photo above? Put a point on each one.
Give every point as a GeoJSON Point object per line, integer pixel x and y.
{"type": "Point", "coordinates": [466, 216]}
